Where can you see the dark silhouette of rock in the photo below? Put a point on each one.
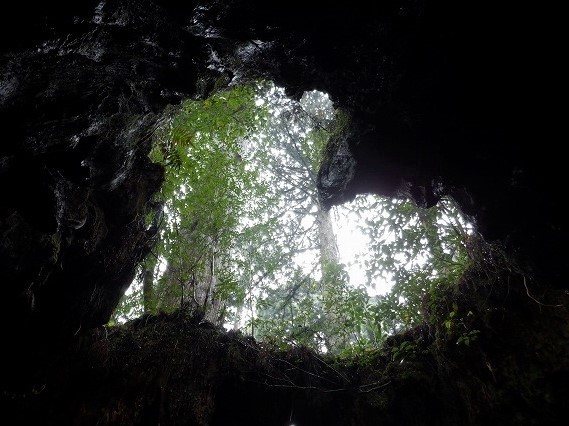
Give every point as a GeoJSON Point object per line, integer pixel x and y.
{"type": "Point", "coordinates": [446, 98]}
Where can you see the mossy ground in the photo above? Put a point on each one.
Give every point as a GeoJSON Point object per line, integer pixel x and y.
{"type": "Point", "coordinates": [490, 351]}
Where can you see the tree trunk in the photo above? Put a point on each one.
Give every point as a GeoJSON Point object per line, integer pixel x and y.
{"type": "Point", "coordinates": [148, 299]}
{"type": "Point", "coordinates": [331, 282]}
{"type": "Point", "coordinates": [204, 290]}
{"type": "Point", "coordinates": [328, 245]}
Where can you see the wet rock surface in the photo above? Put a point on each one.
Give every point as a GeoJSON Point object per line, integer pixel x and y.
{"type": "Point", "coordinates": [80, 96]}
{"type": "Point", "coordinates": [444, 99]}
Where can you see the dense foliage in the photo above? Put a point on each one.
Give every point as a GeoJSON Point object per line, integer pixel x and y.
{"type": "Point", "coordinates": [242, 237]}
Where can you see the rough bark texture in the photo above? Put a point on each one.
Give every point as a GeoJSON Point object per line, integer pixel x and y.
{"type": "Point", "coordinates": [327, 238]}
{"type": "Point", "coordinates": [445, 97]}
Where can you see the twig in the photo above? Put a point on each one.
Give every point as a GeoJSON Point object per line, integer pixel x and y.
{"type": "Point", "coordinates": [537, 301]}
{"type": "Point", "coordinates": [300, 387]}
{"type": "Point", "coordinates": [294, 367]}
{"type": "Point", "coordinates": [378, 386]}
{"type": "Point", "coordinates": [332, 368]}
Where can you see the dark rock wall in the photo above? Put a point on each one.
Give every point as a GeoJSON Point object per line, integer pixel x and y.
{"type": "Point", "coordinates": [445, 98]}
{"type": "Point", "coordinates": [81, 91]}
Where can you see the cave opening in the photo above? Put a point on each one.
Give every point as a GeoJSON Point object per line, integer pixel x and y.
{"type": "Point", "coordinates": [244, 240]}
{"type": "Point", "coordinates": [443, 98]}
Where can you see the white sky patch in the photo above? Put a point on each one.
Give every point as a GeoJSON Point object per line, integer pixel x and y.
{"type": "Point", "coordinates": [353, 243]}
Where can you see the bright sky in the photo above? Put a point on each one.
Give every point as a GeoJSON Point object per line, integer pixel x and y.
{"type": "Point", "coordinates": [353, 243]}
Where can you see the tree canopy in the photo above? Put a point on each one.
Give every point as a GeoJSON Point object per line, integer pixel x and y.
{"type": "Point", "coordinates": [243, 240]}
